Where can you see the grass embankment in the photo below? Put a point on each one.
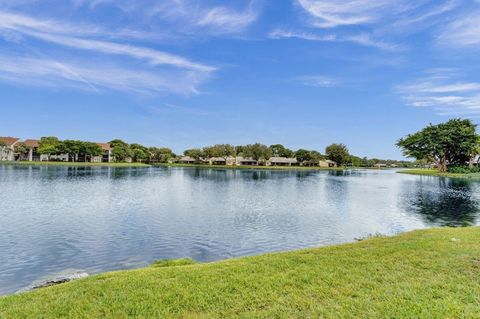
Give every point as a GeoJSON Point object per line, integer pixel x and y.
{"type": "Point", "coordinates": [435, 172]}
{"type": "Point", "coordinates": [423, 274]}
{"type": "Point", "coordinates": [305, 168]}
{"type": "Point", "coordinates": [80, 164]}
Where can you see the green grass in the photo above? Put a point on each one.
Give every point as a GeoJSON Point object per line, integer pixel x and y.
{"type": "Point", "coordinates": [423, 274]}
{"type": "Point", "coordinates": [82, 164]}
{"type": "Point", "coordinates": [435, 172]}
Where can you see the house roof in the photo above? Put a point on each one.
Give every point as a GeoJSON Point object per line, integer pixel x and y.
{"type": "Point", "coordinates": [282, 160]}
{"type": "Point", "coordinates": [218, 159]}
{"type": "Point", "coordinates": [105, 146]}
{"type": "Point", "coordinates": [242, 159]}
{"type": "Point", "coordinates": [32, 143]}
{"type": "Point", "coordinates": [10, 141]}
{"type": "Point", "coordinates": [187, 159]}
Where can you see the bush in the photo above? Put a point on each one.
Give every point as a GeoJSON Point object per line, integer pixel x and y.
{"type": "Point", "coordinates": [463, 169]}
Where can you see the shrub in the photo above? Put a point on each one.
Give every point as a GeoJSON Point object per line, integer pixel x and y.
{"type": "Point", "coordinates": [463, 169]}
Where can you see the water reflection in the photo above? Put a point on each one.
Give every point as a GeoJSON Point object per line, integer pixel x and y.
{"type": "Point", "coordinates": [97, 219]}
{"type": "Point", "coordinates": [444, 202]}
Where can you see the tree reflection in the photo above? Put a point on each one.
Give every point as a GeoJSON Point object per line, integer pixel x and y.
{"type": "Point", "coordinates": [451, 204]}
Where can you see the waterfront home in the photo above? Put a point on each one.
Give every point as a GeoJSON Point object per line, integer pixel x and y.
{"type": "Point", "coordinates": [33, 155]}
{"type": "Point", "coordinates": [381, 165]}
{"type": "Point", "coordinates": [327, 163]}
{"type": "Point", "coordinates": [242, 161]}
{"type": "Point", "coordinates": [217, 161]}
{"type": "Point", "coordinates": [222, 161]}
{"type": "Point", "coordinates": [106, 157]}
{"type": "Point", "coordinates": [282, 161]}
{"type": "Point", "coordinates": [7, 152]}
{"type": "Point", "coordinates": [188, 160]}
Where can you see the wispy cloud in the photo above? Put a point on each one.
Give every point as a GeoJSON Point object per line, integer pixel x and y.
{"type": "Point", "coordinates": [227, 20]}
{"type": "Point", "coordinates": [337, 13]}
{"type": "Point", "coordinates": [190, 15]}
{"type": "Point", "coordinates": [363, 39]}
{"type": "Point", "coordinates": [158, 71]}
{"type": "Point", "coordinates": [319, 81]}
{"type": "Point", "coordinates": [444, 93]}
{"type": "Point", "coordinates": [333, 13]}
{"type": "Point", "coordinates": [383, 23]}
{"type": "Point", "coordinates": [95, 77]}
{"type": "Point", "coordinates": [462, 32]}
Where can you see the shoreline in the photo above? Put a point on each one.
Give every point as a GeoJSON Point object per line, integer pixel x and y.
{"type": "Point", "coordinates": [204, 166]}
{"type": "Point", "coordinates": [376, 278]}
{"type": "Point", "coordinates": [436, 173]}
{"type": "Point", "coordinates": [75, 164]}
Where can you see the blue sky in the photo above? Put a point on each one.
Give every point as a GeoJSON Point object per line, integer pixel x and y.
{"type": "Point", "coordinates": [188, 73]}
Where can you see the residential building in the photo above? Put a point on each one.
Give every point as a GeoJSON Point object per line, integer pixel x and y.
{"type": "Point", "coordinates": [222, 161]}
{"type": "Point", "coordinates": [33, 155]}
{"type": "Point", "coordinates": [7, 152]}
{"type": "Point", "coordinates": [327, 163]}
{"type": "Point", "coordinates": [188, 160]}
{"type": "Point", "coordinates": [242, 161]}
{"type": "Point", "coordinates": [282, 161]}
{"type": "Point", "coordinates": [106, 157]}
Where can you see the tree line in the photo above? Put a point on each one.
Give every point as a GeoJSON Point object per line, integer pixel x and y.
{"type": "Point", "coordinates": [337, 152]}
{"type": "Point", "coordinates": [124, 152]}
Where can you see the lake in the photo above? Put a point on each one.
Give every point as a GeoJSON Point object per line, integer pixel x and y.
{"type": "Point", "coordinates": [56, 220]}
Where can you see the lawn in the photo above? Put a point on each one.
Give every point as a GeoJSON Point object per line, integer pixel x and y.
{"type": "Point", "coordinates": [423, 274]}
{"type": "Point", "coordinates": [82, 164]}
{"type": "Point", "coordinates": [435, 172]}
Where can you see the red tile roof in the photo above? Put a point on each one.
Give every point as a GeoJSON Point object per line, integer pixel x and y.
{"type": "Point", "coordinates": [9, 140]}
{"type": "Point", "coordinates": [32, 143]}
{"type": "Point", "coordinates": [105, 146]}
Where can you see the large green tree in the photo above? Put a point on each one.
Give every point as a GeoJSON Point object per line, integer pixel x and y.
{"type": "Point", "coordinates": [21, 150]}
{"type": "Point", "coordinates": [257, 151]}
{"type": "Point", "coordinates": [450, 143]}
{"type": "Point", "coordinates": [219, 150]}
{"type": "Point", "coordinates": [278, 150]}
{"type": "Point", "coordinates": [140, 153]}
{"type": "Point", "coordinates": [303, 155]}
{"type": "Point", "coordinates": [160, 154]}
{"type": "Point", "coordinates": [120, 150]}
{"type": "Point", "coordinates": [195, 153]}
{"type": "Point", "coordinates": [71, 147]}
{"type": "Point", "coordinates": [337, 153]}
{"type": "Point", "coordinates": [48, 146]}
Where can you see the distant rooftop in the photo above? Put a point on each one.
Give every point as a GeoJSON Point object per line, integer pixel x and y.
{"type": "Point", "coordinates": [9, 140]}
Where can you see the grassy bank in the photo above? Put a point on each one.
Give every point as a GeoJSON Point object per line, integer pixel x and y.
{"type": "Point", "coordinates": [423, 274]}
{"type": "Point", "coordinates": [80, 164]}
{"type": "Point", "coordinates": [249, 167]}
{"type": "Point", "coordinates": [435, 172]}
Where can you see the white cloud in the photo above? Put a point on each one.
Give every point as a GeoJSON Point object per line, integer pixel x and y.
{"type": "Point", "coordinates": [361, 39]}
{"type": "Point", "coordinates": [384, 23]}
{"type": "Point", "coordinates": [319, 81]}
{"type": "Point", "coordinates": [158, 71]}
{"type": "Point", "coordinates": [462, 32]}
{"type": "Point", "coordinates": [333, 13]}
{"type": "Point", "coordinates": [96, 77]}
{"type": "Point", "coordinates": [444, 93]}
{"type": "Point", "coordinates": [190, 15]}
{"type": "Point", "coordinates": [227, 20]}
{"type": "Point", "coordinates": [336, 13]}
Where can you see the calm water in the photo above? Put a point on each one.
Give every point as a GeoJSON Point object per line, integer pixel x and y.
{"type": "Point", "coordinates": [58, 220]}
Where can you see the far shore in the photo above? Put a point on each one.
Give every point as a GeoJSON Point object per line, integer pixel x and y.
{"type": "Point", "coordinates": [436, 173]}
{"type": "Point", "coordinates": [77, 164]}
{"type": "Point", "coordinates": [113, 164]}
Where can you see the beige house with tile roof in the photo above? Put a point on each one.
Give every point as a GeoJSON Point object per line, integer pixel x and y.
{"type": "Point", "coordinates": [7, 148]}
